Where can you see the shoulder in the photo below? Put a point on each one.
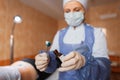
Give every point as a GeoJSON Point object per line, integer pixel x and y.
{"type": "Point", "coordinates": [98, 31]}
{"type": "Point", "coordinates": [96, 28]}
{"type": "Point", "coordinates": [89, 26]}
{"type": "Point", "coordinates": [63, 30]}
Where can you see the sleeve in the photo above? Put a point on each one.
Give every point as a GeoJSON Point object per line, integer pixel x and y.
{"type": "Point", "coordinates": [52, 66]}
{"type": "Point", "coordinates": [100, 45]}
{"type": "Point", "coordinates": [98, 68]}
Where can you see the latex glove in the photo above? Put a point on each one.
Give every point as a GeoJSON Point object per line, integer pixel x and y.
{"type": "Point", "coordinates": [72, 61]}
{"type": "Point", "coordinates": [41, 61]}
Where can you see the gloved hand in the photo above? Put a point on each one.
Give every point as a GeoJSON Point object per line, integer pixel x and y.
{"type": "Point", "coordinates": [72, 61]}
{"type": "Point", "coordinates": [42, 61]}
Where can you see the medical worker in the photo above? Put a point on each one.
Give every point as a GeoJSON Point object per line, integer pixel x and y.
{"type": "Point", "coordinates": [83, 46]}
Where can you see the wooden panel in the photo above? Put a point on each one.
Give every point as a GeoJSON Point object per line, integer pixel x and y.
{"type": "Point", "coordinates": [115, 63]}
{"type": "Point", "coordinates": [7, 61]}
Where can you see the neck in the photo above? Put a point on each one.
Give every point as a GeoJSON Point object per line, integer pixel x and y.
{"type": "Point", "coordinates": [77, 26]}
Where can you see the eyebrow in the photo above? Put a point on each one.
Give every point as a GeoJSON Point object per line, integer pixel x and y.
{"type": "Point", "coordinates": [76, 8]}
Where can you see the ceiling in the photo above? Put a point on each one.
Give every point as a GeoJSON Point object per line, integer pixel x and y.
{"type": "Point", "coordinates": [54, 8]}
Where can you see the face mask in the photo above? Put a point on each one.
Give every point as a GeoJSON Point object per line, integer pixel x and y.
{"type": "Point", "coordinates": [74, 18]}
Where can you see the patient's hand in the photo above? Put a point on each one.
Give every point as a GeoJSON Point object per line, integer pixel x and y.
{"type": "Point", "coordinates": [41, 61]}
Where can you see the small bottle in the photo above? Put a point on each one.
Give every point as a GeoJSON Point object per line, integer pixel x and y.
{"type": "Point", "coordinates": [59, 57]}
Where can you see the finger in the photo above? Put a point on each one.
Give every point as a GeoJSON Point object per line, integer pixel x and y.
{"type": "Point", "coordinates": [37, 56]}
{"type": "Point", "coordinates": [37, 63]}
{"type": "Point", "coordinates": [79, 65]}
{"type": "Point", "coordinates": [69, 56]}
{"type": "Point", "coordinates": [44, 54]}
{"type": "Point", "coordinates": [70, 62]}
{"type": "Point", "coordinates": [81, 62]}
{"type": "Point", "coordinates": [41, 66]}
{"type": "Point", "coordinates": [43, 69]}
{"type": "Point", "coordinates": [62, 69]}
{"type": "Point", "coordinates": [41, 57]}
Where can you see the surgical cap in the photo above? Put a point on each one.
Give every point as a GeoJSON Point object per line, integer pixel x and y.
{"type": "Point", "coordinates": [83, 2]}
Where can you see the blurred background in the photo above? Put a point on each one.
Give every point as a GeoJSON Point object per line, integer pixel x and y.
{"type": "Point", "coordinates": [42, 19]}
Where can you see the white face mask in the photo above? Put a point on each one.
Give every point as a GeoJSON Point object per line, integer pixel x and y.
{"type": "Point", "coordinates": [74, 18]}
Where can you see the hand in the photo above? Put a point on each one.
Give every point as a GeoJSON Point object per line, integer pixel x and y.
{"type": "Point", "coordinates": [72, 61]}
{"type": "Point", "coordinates": [42, 61]}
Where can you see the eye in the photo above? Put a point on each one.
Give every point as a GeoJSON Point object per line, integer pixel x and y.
{"type": "Point", "coordinates": [67, 10]}
{"type": "Point", "coordinates": [77, 9]}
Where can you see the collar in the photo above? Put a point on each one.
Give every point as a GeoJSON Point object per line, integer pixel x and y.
{"type": "Point", "coordinates": [78, 27]}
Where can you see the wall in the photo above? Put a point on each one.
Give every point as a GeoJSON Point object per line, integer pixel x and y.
{"type": "Point", "coordinates": [112, 25]}
{"type": "Point", "coordinates": [29, 36]}
{"type": "Point", "coordinates": [61, 24]}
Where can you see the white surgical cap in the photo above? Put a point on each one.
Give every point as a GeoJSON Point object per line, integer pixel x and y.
{"type": "Point", "coordinates": [83, 2]}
